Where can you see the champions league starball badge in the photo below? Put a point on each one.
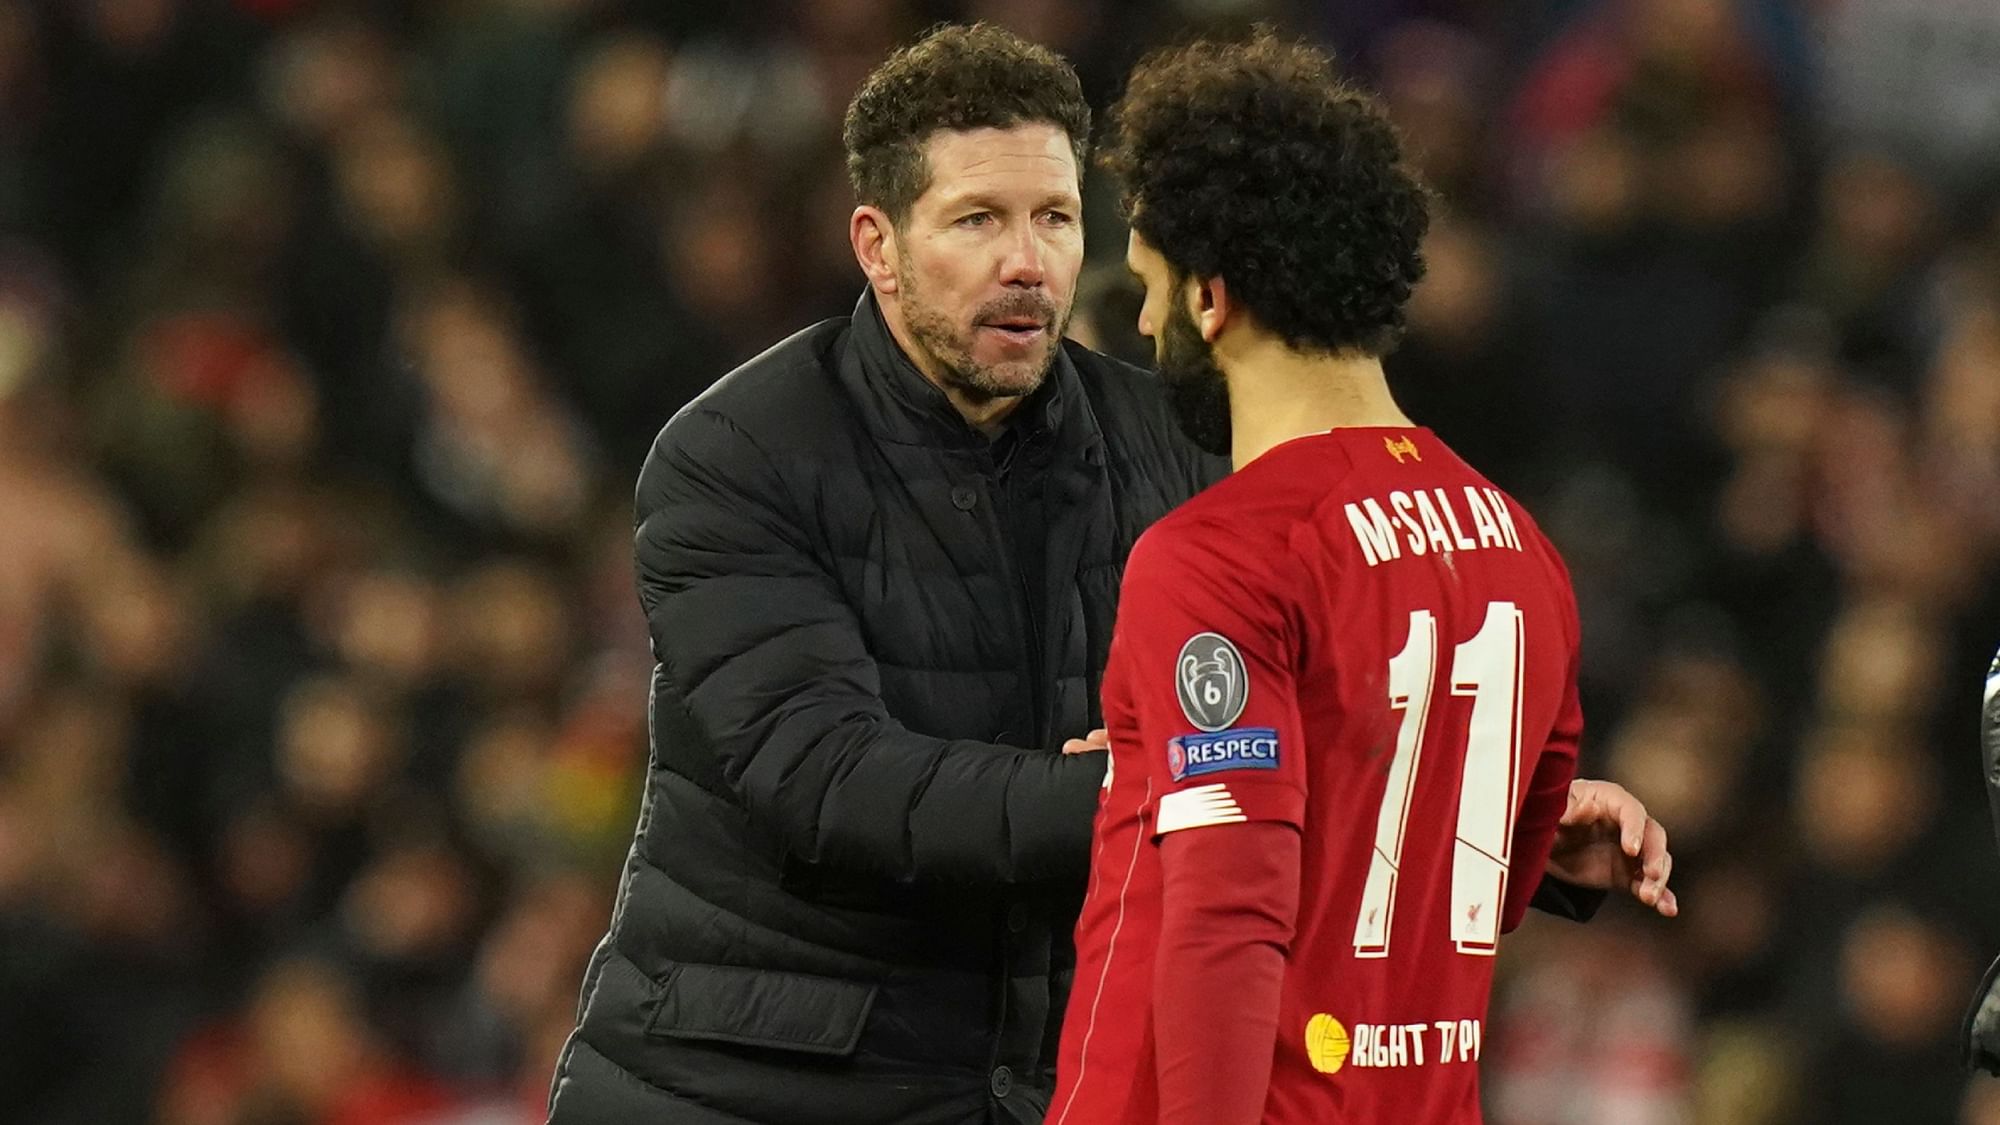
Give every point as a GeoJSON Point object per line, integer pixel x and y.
{"type": "Point", "coordinates": [1212, 682]}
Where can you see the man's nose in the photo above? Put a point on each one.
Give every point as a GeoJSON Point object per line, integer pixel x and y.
{"type": "Point", "coordinates": [1023, 266]}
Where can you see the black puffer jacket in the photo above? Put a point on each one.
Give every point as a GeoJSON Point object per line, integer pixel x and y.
{"type": "Point", "coordinates": [851, 893]}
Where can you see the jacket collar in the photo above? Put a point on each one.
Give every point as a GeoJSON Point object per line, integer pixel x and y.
{"type": "Point", "coordinates": [900, 405]}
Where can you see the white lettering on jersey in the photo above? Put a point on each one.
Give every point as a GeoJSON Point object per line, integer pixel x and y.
{"type": "Point", "coordinates": [1430, 523]}
{"type": "Point", "coordinates": [1373, 531]}
{"type": "Point", "coordinates": [1433, 527]}
{"type": "Point", "coordinates": [1395, 1045]}
{"type": "Point", "coordinates": [1400, 501]}
{"type": "Point", "coordinates": [1483, 521]}
{"type": "Point", "coordinates": [1504, 517]}
{"type": "Point", "coordinates": [1450, 517]}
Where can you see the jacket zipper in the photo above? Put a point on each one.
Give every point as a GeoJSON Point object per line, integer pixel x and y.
{"type": "Point", "coordinates": [1030, 630]}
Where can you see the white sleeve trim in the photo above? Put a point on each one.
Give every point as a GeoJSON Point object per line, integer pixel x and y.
{"type": "Point", "coordinates": [1199, 807]}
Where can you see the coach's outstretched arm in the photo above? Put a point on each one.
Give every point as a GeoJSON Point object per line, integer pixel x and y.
{"type": "Point", "coordinates": [767, 658]}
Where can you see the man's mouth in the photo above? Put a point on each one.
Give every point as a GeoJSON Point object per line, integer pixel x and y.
{"type": "Point", "coordinates": [1020, 331]}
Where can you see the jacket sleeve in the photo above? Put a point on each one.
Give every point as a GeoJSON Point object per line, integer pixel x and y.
{"type": "Point", "coordinates": [758, 643]}
{"type": "Point", "coordinates": [1566, 900]}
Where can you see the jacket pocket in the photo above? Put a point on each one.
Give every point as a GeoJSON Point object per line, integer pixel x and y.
{"type": "Point", "coordinates": [763, 1008]}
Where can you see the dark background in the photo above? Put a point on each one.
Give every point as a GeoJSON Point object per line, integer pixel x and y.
{"type": "Point", "coordinates": [332, 336]}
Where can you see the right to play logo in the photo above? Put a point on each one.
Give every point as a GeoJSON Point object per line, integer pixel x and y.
{"type": "Point", "coordinates": [1327, 1044]}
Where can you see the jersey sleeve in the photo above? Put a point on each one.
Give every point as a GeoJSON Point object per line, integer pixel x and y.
{"type": "Point", "coordinates": [1209, 636]}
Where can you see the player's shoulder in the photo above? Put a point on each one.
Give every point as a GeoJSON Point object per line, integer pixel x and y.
{"type": "Point", "coordinates": [1261, 519]}
{"type": "Point", "coordinates": [1276, 492]}
{"type": "Point", "coordinates": [1522, 526]}
{"type": "Point", "coordinates": [1412, 498]}
{"type": "Point", "coordinates": [1526, 528]}
{"type": "Point", "coordinates": [1239, 533]}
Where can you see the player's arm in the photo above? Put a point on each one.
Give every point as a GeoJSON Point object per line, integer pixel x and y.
{"type": "Point", "coordinates": [1547, 801]}
{"type": "Point", "coordinates": [1231, 900]}
{"type": "Point", "coordinates": [1213, 648]}
{"type": "Point", "coordinates": [780, 691]}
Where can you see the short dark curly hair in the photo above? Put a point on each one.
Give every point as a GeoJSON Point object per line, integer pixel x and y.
{"type": "Point", "coordinates": [1254, 162]}
{"type": "Point", "coordinates": [956, 77]}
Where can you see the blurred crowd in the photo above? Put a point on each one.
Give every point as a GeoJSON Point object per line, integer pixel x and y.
{"type": "Point", "coordinates": [332, 336]}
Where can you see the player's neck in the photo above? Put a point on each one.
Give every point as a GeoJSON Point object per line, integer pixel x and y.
{"type": "Point", "coordinates": [1277, 394]}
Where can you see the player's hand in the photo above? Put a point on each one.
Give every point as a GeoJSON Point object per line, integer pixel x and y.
{"type": "Point", "coordinates": [1606, 841]}
{"type": "Point", "coordinates": [1099, 739]}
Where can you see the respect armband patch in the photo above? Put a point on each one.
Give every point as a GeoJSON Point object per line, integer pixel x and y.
{"type": "Point", "coordinates": [1240, 748]}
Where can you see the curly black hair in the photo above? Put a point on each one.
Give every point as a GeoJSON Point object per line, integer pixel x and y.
{"type": "Point", "coordinates": [1254, 162]}
{"type": "Point", "coordinates": [956, 77]}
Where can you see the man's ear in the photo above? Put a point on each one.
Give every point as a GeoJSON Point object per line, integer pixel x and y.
{"type": "Point", "coordinates": [874, 239]}
{"type": "Point", "coordinates": [1208, 300]}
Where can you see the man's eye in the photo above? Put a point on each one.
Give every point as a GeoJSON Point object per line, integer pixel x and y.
{"type": "Point", "coordinates": [976, 219]}
{"type": "Point", "coordinates": [1058, 218]}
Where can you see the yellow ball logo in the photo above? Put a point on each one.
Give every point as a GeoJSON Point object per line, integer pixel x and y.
{"type": "Point", "coordinates": [1326, 1043]}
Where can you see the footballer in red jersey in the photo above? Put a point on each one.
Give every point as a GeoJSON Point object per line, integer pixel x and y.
{"type": "Point", "coordinates": [1342, 688]}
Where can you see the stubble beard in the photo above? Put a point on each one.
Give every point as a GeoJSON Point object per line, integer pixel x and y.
{"type": "Point", "coordinates": [949, 344]}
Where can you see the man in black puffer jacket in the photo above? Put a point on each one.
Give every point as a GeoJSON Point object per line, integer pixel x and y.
{"type": "Point", "coordinates": [880, 563]}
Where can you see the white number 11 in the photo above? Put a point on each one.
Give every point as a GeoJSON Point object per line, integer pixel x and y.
{"type": "Point", "coordinates": [1487, 668]}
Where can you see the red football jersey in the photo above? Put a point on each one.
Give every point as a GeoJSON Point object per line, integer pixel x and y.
{"type": "Point", "coordinates": [1359, 637]}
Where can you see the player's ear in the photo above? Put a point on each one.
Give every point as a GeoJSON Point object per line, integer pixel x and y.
{"type": "Point", "coordinates": [873, 237]}
{"type": "Point", "coordinates": [1212, 308]}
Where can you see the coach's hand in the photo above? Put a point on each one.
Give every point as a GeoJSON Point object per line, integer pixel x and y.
{"type": "Point", "coordinates": [1606, 841]}
{"type": "Point", "coordinates": [1099, 739]}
